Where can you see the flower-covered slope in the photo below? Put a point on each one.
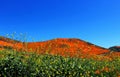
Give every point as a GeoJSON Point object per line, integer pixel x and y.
{"type": "Point", "coordinates": [61, 46]}
{"type": "Point", "coordinates": [66, 46]}
{"type": "Point", "coordinates": [8, 43]}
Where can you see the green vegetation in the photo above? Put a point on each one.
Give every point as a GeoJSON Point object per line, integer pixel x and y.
{"type": "Point", "coordinates": [24, 64]}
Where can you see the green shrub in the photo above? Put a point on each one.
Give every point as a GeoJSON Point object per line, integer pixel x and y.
{"type": "Point", "coordinates": [24, 64]}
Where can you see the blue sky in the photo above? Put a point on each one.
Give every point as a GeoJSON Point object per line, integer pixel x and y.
{"type": "Point", "coordinates": [96, 21]}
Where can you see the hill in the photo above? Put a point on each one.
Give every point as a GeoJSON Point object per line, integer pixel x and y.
{"type": "Point", "coordinates": [61, 46]}
{"type": "Point", "coordinates": [5, 39]}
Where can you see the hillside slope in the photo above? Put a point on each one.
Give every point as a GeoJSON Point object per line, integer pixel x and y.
{"type": "Point", "coordinates": [66, 46]}
{"type": "Point", "coordinates": [62, 46]}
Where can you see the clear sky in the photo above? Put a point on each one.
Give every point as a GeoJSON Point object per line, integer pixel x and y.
{"type": "Point", "coordinates": [95, 21]}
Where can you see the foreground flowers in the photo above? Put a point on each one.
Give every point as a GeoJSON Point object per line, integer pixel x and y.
{"type": "Point", "coordinates": [14, 63]}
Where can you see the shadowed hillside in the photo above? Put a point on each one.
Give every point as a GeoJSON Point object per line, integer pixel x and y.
{"type": "Point", "coordinates": [8, 40]}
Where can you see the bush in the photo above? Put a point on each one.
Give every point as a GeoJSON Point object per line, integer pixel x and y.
{"type": "Point", "coordinates": [24, 64]}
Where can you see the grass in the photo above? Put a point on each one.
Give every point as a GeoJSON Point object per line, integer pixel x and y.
{"type": "Point", "coordinates": [24, 64]}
